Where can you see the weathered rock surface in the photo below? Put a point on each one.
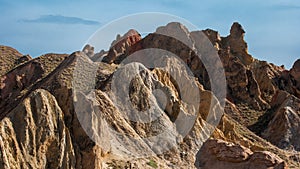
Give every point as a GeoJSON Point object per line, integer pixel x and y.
{"type": "Point", "coordinates": [266, 75]}
{"type": "Point", "coordinates": [237, 45]}
{"type": "Point", "coordinates": [242, 84]}
{"type": "Point", "coordinates": [48, 99]}
{"type": "Point", "coordinates": [295, 72]}
{"type": "Point", "coordinates": [34, 135]}
{"type": "Point", "coordinates": [218, 154]}
{"type": "Point", "coordinates": [121, 46]}
{"type": "Point", "coordinates": [9, 58]}
{"type": "Point", "coordinates": [88, 50]}
{"type": "Point", "coordinates": [18, 79]}
{"type": "Point", "coordinates": [289, 80]}
{"type": "Point", "coordinates": [284, 130]}
{"type": "Point", "coordinates": [57, 79]}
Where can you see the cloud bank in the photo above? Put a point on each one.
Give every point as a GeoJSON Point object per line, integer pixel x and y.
{"type": "Point", "coordinates": [60, 19]}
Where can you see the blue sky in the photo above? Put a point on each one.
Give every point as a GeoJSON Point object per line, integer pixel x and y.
{"type": "Point", "coordinates": [36, 27]}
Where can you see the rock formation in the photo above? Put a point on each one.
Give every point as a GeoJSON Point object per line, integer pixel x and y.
{"type": "Point", "coordinates": [17, 80]}
{"type": "Point", "coordinates": [122, 46]}
{"type": "Point", "coordinates": [237, 45]}
{"type": "Point", "coordinates": [34, 135]}
{"type": "Point", "coordinates": [88, 50]}
{"type": "Point", "coordinates": [218, 154]}
{"type": "Point", "coordinates": [289, 80]}
{"type": "Point", "coordinates": [156, 119]}
{"type": "Point", "coordinates": [283, 129]}
{"type": "Point", "coordinates": [10, 58]}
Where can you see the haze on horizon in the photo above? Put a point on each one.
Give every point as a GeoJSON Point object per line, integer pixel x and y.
{"type": "Point", "coordinates": [38, 27]}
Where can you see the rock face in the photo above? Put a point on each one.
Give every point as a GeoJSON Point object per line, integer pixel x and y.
{"type": "Point", "coordinates": [289, 80]}
{"type": "Point", "coordinates": [238, 47]}
{"type": "Point", "coordinates": [9, 58]}
{"type": "Point", "coordinates": [295, 72]}
{"type": "Point", "coordinates": [34, 135]}
{"type": "Point", "coordinates": [218, 154]}
{"type": "Point", "coordinates": [266, 75]}
{"type": "Point", "coordinates": [140, 116]}
{"type": "Point", "coordinates": [121, 46]}
{"type": "Point", "coordinates": [241, 80]}
{"type": "Point", "coordinates": [58, 81]}
{"type": "Point", "coordinates": [17, 80]}
{"type": "Point", "coordinates": [283, 129]}
{"type": "Point", "coordinates": [88, 50]}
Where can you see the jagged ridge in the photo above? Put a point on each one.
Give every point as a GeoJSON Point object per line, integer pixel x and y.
{"type": "Point", "coordinates": [254, 89]}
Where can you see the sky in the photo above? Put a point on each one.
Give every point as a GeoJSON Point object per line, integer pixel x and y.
{"type": "Point", "coordinates": [37, 27]}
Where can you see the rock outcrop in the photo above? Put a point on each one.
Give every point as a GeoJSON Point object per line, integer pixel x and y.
{"type": "Point", "coordinates": [68, 111]}
{"type": "Point", "coordinates": [289, 80]}
{"type": "Point", "coordinates": [34, 135]}
{"type": "Point", "coordinates": [237, 45]}
{"type": "Point", "coordinates": [9, 58]}
{"type": "Point", "coordinates": [121, 47]}
{"type": "Point", "coordinates": [295, 72]}
{"type": "Point", "coordinates": [19, 79]}
{"type": "Point", "coordinates": [284, 130]}
{"type": "Point", "coordinates": [242, 84]}
{"type": "Point", "coordinates": [266, 75]}
{"type": "Point", "coordinates": [218, 154]}
{"type": "Point", "coordinates": [88, 50]}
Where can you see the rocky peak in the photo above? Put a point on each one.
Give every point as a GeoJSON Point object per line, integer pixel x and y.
{"type": "Point", "coordinates": [88, 50]}
{"type": "Point", "coordinates": [295, 71]}
{"type": "Point", "coordinates": [237, 31]}
{"type": "Point", "coordinates": [238, 47]}
{"type": "Point", "coordinates": [121, 46]}
{"type": "Point", "coordinates": [214, 37]}
{"type": "Point", "coordinates": [175, 26]}
{"type": "Point", "coordinates": [290, 80]}
{"type": "Point", "coordinates": [132, 33]}
{"type": "Point", "coordinates": [177, 31]}
{"type": "Point", "coordinates": [8, 59]}
{"type": "Point", "coordinates": [28, 114]}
